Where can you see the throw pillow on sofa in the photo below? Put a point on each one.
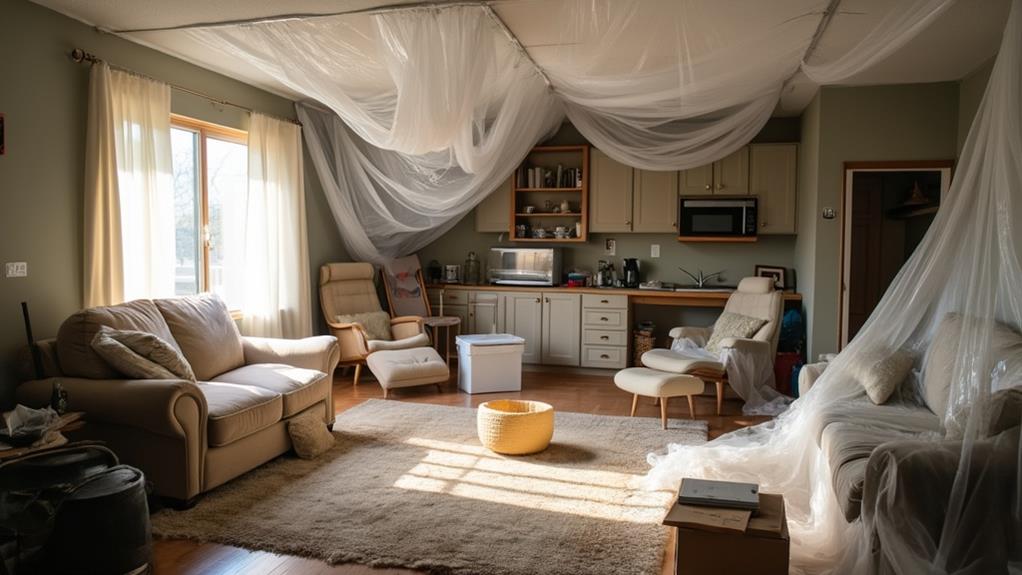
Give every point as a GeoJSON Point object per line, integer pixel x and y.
{"type": "Point", "coordinates": [881, 371]}
{"type": "Point", "coordinates": [141, 355]}
{"type": "Point", "coordinates": [731, 324]}
{"type": "Point", "coordinates": [375, 323]}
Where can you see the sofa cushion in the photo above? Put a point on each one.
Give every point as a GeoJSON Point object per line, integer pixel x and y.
{"type": "Point", "coordinates": [141, 355]}
{"type": "Point", "coordinates": [299, 388]}
{"type": "Point", "coordinates": [74, 338]}
{"type": "Point", "coordinates": [237, 411]}
{"type": "Point", "coordinates": [893, 417]}
{"type": "Point", "coordinates": [205, 332]}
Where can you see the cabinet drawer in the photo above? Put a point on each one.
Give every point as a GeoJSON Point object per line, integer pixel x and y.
{"type": "Point", "coordinates": [605, 357]}
{"type": "Point", "coordinates": [604, 337]}
{"type": "Point", "coordinates": [599, 301]}
{"type": "Point", "coordinates": [607, 318]}
{"type": "Point", "coordinates": [455, 296]}
{"type": "Point", "coordinates": [485, 296]}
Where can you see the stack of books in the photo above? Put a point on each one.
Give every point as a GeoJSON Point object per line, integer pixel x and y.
{"type": "Point", "coordinates": [727, 507]}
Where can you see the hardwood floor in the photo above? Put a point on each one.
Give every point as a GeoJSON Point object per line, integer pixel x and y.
{"type": "Point", "coordinates": [567, 390]}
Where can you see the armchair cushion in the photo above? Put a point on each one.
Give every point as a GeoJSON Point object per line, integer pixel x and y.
{"type": "Point", "coordinates": [205, 332]}
{"type": "Point", "coordinates": [141, 355]}
{"type": "Point", "coordinates": [375, 323]}
{"type": "Point", "coordinates": [237, 411]}
{"type": "Point", "coordinates": [419, 340]}
{"type": "Point", "coordinates": [698, 335]}
{"type": "Point", "coordinates": [299, 388]}
{"type": "Point", "coordinates": [733, 325]}
{"type": "Point", "coordinates": [74, 339]}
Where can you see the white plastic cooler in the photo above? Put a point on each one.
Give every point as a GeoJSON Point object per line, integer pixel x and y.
{"type": "Point", "coordinates": [490, 363]}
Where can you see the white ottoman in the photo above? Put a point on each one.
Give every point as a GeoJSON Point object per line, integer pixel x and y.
{"type": "Point", "coordinates": [660, 384]}
{"type": "Point", "coordinates": [408, 368]}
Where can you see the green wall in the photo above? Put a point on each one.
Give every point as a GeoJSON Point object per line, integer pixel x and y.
{"type": "Point", "coordinates": [43, 96]}
{"type": "Point", "coordinates": [875, 123]}
{"type": "Point", "coordinates": [808, 178]}
{"type": "Point", "coordinates": [970, 93]}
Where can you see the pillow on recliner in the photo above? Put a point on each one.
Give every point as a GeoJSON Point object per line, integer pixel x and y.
{"type": "Point", "coordinates": [731, 324]}
{"type": "Point", "coordinates": [376, 323]}
{"type": "Point", "coordinates": [141, 355]}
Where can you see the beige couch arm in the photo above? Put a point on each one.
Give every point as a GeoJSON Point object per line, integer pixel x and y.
{"type": "Point", "coordinates": [808, 376]}
{"type": "Point", "coordinates": [320, 352]}
{"type": "Point", "coordinates": [405, 326]}
{"type": "Point", "coordinates": [699, 335]}
{"type": "Point", "coordinates": [169, 407]}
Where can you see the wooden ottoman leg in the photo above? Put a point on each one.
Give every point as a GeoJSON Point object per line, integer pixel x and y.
{"type": "Point", "coordinates": [691, 407]}
{"type": "Point", "coordinates": [663, 412]}
{"type": "Point", "coordinates": [635, 403]}
{"type": "Point", "coordinates": [720, 396]}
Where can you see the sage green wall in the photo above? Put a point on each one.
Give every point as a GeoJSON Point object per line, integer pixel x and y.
{"type": "Point", "coordinates": [970, 93]}
{"type": "Point", "coordinates": [808, 178]}
{"type": "Point", "coordinates": [875, 123]}
{"type": "Point", "coordinates": [43, 96]}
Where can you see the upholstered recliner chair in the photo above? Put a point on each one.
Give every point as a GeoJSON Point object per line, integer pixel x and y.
{"type": "Point", "coordinates": [348, 289]}
{"type": "Point", "coordinates": [755, 297]}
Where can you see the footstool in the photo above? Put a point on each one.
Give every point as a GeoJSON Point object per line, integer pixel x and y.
{"type": "Point", "coordinates": [408, 368]}
{"type": "Point", "coordinates": [662, 385]}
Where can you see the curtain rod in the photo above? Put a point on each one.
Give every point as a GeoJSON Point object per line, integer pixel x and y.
{"type": "Point", "coordinates": [80, 56]}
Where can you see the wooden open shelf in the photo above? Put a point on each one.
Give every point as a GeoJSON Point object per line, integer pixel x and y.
{"type": "Point", "coordinates": [549, 157]}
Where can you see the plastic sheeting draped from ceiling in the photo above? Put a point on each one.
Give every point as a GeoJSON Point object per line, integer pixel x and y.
{"type": "Point", "coordinates": [943, 500]}
{"type": "Point", "coordinates": [438, 105]}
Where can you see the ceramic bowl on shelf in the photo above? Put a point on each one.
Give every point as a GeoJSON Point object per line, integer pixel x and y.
{"type": "Point", "coordinates": [530, 209]}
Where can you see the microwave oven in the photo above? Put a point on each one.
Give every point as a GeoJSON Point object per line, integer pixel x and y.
{"type": "Point", "coordinates": [717, 217]}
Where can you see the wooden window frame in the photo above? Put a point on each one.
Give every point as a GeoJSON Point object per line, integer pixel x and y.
{"type": "Point", "coordinates": [206, 130]}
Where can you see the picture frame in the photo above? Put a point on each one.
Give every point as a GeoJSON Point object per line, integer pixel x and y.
{"type": "Point", "coordinates": [778, 273]}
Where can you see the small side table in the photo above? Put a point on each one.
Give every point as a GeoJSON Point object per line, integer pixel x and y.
{"type": "Point", "coordinates": [761, 550]}
{"type": "Point", "coordinates": [447, 322]}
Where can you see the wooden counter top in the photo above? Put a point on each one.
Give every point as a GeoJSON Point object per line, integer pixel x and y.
{"type": "Point", "coordinates": [689, 298]}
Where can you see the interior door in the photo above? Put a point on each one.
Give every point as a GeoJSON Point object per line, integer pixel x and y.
{"type": "Point", "coordinates": [876, 249]}
{"type": "Point", "coordinates": [562, 328]}
{"type": "Point", "coordinates": [610, 194]}
{"type": "Point", "coordinates": [731, 174]}
{"type": "Point", "coordinates": [523, 315]}
{"type": "Point", "coordinates": [696, 181]}
{"type": "Point", "coordinates": [655, 202]}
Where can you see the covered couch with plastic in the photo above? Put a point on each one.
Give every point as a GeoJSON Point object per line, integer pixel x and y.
{"type": "Point", "coordinates": [188, 437]}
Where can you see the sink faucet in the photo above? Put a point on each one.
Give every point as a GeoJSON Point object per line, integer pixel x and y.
{"type": "Point", "coordinates": [701, 279]}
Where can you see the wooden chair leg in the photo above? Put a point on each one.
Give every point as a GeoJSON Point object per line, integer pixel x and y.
{"type": "Point", "coordinates": [385, 392]}
{"type": "Point", "coordinates": [663, 412]}
{"type": "Point", "coordinates": [720, 396]}
{"type": "Point", "coordinates": [635, 403]}
{"type": "Point", "coordinates": [691, 407]}
{"type": "Point", "coordinates": [440, 388]}
{"type": "Point", "coordinates": [656, 401]}
{"type": "Point", "coordinates": [358, 372]}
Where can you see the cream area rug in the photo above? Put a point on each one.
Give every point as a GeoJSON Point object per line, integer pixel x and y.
{"type": "Point", "coordinates": [409, 485]}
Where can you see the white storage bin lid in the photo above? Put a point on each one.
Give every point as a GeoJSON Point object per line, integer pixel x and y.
{"type": "Point", "coordinates": [495, 343]}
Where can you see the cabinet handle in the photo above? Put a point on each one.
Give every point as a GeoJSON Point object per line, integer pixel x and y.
{"type": "Point", "coordinates": [604, 301]}
{"type": "Point", "coordinates": [604, 319]}
{"type": "Point", "coordinates": [547, 299]}
{"type": "Point", "coordinates": [604, 356]}
{"type": "Point", "coordinates": [721, 187]}
{"type": "Point", "coordinates": [708, 187]}
{"type": "Point", "coordinates": [628, 223]}
{"type": "Point", "coordinates": [538, 300]}
{"type": "Point", "coordinates": [604, 337]}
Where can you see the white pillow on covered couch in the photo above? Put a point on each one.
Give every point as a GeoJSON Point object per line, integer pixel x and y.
{"type": "Point", "coordinates": [881, 371]}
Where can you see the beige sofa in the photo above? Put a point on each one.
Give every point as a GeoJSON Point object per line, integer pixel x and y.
{"type": "Point", "coordinates": [189, 437]}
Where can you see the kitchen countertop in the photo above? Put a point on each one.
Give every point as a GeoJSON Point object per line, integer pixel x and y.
{"type": "Point", "coordinates": [695, 297]}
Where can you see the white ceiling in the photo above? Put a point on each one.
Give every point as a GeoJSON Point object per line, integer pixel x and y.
{"type": "Point", "coordinates": [961, 40]}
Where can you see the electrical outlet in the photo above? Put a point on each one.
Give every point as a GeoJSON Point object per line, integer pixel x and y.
{"type": "Point", "coordinates": [654, 250]}
{"type": "Point", "coordinates": [17, 269]}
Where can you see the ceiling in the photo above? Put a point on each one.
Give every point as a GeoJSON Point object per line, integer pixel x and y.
{"type": "Point", "coordinates": [962, 39]}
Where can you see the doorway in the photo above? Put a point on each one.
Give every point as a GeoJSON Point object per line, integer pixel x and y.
{"type": "Point", "coordinates": [887, 209]}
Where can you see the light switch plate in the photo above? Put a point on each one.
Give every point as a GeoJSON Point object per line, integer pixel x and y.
{"type": "Point", "coordinates": [17, 269]}
{"type": "Point", "coordinates": [610, 247]}
{"type": "Point", "coordinates": [654, 250]}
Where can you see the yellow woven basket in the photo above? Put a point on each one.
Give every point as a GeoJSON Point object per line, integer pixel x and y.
{"type": "Point", "coordinates": [514, 427]}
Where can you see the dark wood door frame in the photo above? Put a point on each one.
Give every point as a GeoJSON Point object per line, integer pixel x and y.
{"type": "Point", "coordinates": [880, 166]}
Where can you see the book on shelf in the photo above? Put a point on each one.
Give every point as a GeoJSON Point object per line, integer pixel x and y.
{"type": "Point", "coordinates": [711, 493]}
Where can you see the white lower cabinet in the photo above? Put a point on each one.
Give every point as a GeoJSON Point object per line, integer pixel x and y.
{"type": "Point", "coordinates": [523, 316]}
{"type": "Point", "coordinates": [604, 331]}
{"type": "Point", "coordinates": [485, 313]}
{"type": "Point", "coordinates": [562, 313]}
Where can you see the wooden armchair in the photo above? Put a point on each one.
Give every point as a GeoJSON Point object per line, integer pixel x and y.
{"type": "Point", "coordinates": [348, 288]}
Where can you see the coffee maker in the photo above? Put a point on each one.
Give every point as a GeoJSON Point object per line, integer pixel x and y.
{"type": "Point", "coordinates": [631, 271]}
{"type": "Point", "coordinates": [604, 274]}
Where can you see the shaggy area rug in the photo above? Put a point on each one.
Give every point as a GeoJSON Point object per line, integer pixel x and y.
{"type": "Point", "coordinates": [409, 485]}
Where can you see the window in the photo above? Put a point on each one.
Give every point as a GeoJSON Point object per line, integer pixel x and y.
{"type": "Point", "coordinates": [210, 165]}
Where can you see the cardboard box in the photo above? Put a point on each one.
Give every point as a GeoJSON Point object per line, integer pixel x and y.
{"type": "Point", "coordinates": [761, 550]}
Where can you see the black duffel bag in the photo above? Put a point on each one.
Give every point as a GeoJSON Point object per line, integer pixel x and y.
{"type": "Point", "coordinates": [73, 509]}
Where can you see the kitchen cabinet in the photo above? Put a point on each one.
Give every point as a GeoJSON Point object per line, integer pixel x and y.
{"type": "Point", "coordinates": [610, 194]}
{"type": "Point", "coordinates": [561, 328]}
{"type": "Point", "coordinates": [773, 178]}
{"type": "Point", "coordinates": [604, 331]}
{"type": "Point", "coordinates": [728, 176]}
{"type": "Point", "coordinates": [655, 202]}
{"type": "Point", "coordinates": [485, 313]}
{"type": "Point", "coordinates": [623, 199]}
{"type": "Point", "coordinates": [523, 316]}
{"type": "Point", "coordinates": [493, 214]}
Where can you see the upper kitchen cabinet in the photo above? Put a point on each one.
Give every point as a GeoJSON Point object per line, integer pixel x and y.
{"type": "Point", "coordinates": [610, 194]}
{"type": "Point", "coordinates": [773, 178]}
{"type": "Point", "coordinates": [493, 214]}
{"type": "Point", "coordinates": [725, 177]}
{"type": "Point", "coordinates": [655, 202]}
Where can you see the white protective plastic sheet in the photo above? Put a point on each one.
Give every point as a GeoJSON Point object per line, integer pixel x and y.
{"type": "Point", "coordinates": [750, 375]}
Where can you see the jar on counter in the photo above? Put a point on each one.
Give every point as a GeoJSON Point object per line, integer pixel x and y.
{"type": "Point", "coordinates": [472, 269]}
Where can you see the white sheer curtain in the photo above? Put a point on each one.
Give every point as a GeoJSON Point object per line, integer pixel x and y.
{"type": "Point", "coordinates": [129, 193]}
{"type": "Point", "coordinates": [268, 252]}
